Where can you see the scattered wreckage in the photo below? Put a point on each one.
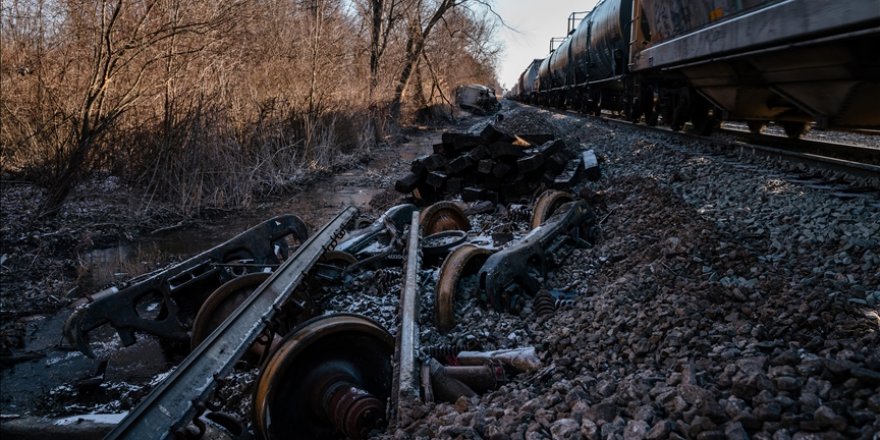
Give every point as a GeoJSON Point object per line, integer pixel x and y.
{"type": "Point", "coordinates": [477, 99]}
{"type": "Point", "coordinates": [498, 166]}
{"type": "Point", "coordinates": [253, 299]}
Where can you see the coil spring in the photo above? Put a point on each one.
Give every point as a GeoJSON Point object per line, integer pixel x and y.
{"type": "Point", "coordinates": [447, 353]}
{"type": "Point", "coordinates": [544, 304]}
{"type": "Point", "coordinates": [387, 277]}
{"type": "Point", "coordinates": [519, 213]}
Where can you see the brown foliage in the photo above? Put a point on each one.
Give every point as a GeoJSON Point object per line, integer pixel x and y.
{"type": "Point", "coordinates": [205, 104]}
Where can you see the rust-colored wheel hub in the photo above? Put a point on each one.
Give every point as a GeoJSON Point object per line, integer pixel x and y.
{"type": "Point", "coordinates": [330, 376]}
{"type": "Point", "coordinates": [443, 216]}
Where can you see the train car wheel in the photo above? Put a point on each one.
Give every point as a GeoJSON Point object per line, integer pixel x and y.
{"type": "Point", "coordinates": [649, 103]}
{"type": "Point", "coordinates": [680, 111]}
{"type": "Point", "coordinates": [651, 116]}
{"type": "Point", "coordinates": [546, 204]}
{"type": "Point", "coordinates": [443, 216]}
{"type": "Point", "coordinates": [703, 118]}
{"type": "Point", "coordinates": [464, 260]}
{"type": "Point", "coordinates": [222, 303]}
{"type": "Point", "coordinates": [794, 130]}
{"type": "Point", "coordinates": [633, 110]}
{"type": "Point", "coordinates": [330, 376]}
{"type": "Point", "coordinates": [756, 127]}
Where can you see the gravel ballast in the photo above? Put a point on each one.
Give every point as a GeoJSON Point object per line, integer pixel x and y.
{"type": "Point", "coordinates": [725, 299]}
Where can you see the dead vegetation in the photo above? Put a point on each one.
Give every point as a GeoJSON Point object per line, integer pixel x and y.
{"type": "Point", "coordinates": [209, 104]}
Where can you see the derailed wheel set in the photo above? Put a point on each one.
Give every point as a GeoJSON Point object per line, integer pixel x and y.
{"type": "Point", "coordinates": [254, 299]}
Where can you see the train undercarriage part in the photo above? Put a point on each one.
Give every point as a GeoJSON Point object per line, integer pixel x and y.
{"type": "Point", "coordinates": [170, 407]}
{"type": "Point", "coordinates": [443, 216]}
{"type": "Point", "coordinates": [448, 383]}
{"type": "Point", "coordinates": [331, 375]}
{"type": "Point", "coordinates": [468, 373]}
{"type": "Point", "coordinates": [509, 277]}
{"type": "Point", "coordinates": [463, 262]}
{"type": "Point", "coordinates": [164, 303]}
{"type": "Point", "coordinates": [364, 242]}
{"type": "Point", "coordinates": [375, 243]}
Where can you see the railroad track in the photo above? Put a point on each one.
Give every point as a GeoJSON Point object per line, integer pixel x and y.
{"type": "Point", "coordinates": [853, 160]}
{"type": "Point", "coordinates": [861, 160]}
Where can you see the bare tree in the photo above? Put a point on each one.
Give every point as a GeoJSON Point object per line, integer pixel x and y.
{"type": "Point", "coordinates": [384, 14]}
{"type": "Point", "coordinates": [421, 21]}
{"type": "Point", "coordinates": [124, 42]}
{"type": "Point", "coordinates": [202, 103]}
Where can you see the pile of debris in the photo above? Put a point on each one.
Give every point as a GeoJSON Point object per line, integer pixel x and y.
{"type": "Point", "coordinates": [497, 166]}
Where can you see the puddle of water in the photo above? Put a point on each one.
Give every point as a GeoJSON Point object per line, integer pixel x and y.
{"type": "Point", "coordinates": [127, 260]}
{"type": "Point", "coordinates": [124, 261]}
{"type": "Point", "coordinates": [26, 383]}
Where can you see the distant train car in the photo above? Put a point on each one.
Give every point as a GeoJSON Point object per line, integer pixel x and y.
{"type": "Point", "coordinates": [543, 85]}
{"type": "Point", "coordinates": [527, 79]}
{"type": "Point", "coordinates": [584, 71]}
{"type": "Point", "coordinates": [794, 62]}
{"type": "Point", "coordinates": [477, 98]}
{"type": "Point", "coordinates": [513, 93]}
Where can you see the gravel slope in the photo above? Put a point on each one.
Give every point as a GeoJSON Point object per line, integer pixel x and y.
{"type": "Point", "coordinates": [724, 300]}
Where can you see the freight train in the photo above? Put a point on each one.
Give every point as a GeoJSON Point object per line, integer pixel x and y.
{"type": "Point", "coordinates": [796, 63]}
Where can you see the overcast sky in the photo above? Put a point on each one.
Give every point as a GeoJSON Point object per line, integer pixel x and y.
{"type": "Point", "coordinates": [534, 22]}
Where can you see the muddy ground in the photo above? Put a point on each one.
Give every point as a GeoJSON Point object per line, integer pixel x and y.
{"type": "Point", "coordinates": [726, 297]}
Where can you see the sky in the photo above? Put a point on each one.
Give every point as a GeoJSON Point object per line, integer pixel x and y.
{"type": "Point", "coordinates": [533, 23]}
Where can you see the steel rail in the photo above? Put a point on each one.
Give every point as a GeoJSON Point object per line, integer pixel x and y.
{"type": "Point", "coordinates": [834, 150]}
{"type": "Point", "coordinates": [405, 384]}
{"type": "Point", "coordinates": [769, 146]}
{"type": "Point", "coordinates": [172, 404]}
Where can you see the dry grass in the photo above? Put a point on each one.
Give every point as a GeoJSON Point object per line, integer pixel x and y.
{"type": "Point", "coordinates": [208, 104]}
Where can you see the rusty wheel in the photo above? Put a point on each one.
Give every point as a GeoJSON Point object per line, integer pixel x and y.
{"type": "Point", "coordinates": [464, 260]}
{"type": "Point", "coordinates": [546, 204]}
{"type": "Point", "coordinates": [443, 216]}
{"type": "Point", "coordinates": [330, 375]}
{"type": "Point", "coordinates": [222, 303]}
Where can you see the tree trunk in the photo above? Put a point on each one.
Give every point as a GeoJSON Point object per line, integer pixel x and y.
{"type": "Point", "coordinates": [377, 7]}
{"type": "Point", "coordinates": [415, 44]}
{"type": "Point", "coordinates": [69, 176]}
